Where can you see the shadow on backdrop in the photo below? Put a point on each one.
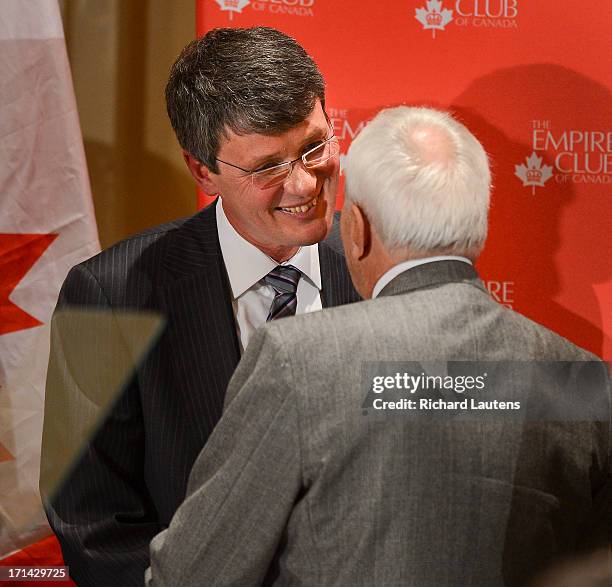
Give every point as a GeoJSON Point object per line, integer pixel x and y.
{"type": "Point", "coordinates": [552, 244]}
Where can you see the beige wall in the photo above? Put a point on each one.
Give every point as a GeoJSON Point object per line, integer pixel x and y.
{"type": "Point", "coordinates": [120, 53]}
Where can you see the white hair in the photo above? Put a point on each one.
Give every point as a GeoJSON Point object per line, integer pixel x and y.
{"type": "Point", "coordinates": [422, 179]}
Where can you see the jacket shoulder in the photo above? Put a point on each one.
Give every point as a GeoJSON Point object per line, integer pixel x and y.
{"type": "Point", "coordinates": [548, 345]}
{"type": "Point", "coordinates": [428, 324]}
{"type": "Point", "coordinates": [133, 245]}
{"type": "Point", "coordinates": [129, 270]}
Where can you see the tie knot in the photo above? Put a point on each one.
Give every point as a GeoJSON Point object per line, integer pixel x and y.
{"type": "Point", "coordinates": [283, 279]}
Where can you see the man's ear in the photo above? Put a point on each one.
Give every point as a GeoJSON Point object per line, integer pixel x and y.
{"type": "Point", "coordinates": [360, 233]}
{"type": "Point", "coordinates": [202, 175]}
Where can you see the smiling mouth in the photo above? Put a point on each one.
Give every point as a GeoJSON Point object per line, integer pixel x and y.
{"type": "Point", "coordinates": [300, 209]}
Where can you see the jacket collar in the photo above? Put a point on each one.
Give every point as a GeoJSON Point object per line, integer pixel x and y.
{"type": "Point", "coordinates": [431, 275]}
{"type": "Point", "coordinates": [337, 287]}
{"type": "Point", "coordinates": [195, 248]}
{"type": "Point", "coordinates": [195, 245]}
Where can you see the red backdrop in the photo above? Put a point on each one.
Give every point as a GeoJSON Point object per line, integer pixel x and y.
{"type": "Point", "coordinates": [532, 80]}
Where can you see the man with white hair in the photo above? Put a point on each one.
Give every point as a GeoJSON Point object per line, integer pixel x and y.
{"type": "Point", "coordinates": [309, 479]}
{"type": "Point", "coordinates": [417, 186]}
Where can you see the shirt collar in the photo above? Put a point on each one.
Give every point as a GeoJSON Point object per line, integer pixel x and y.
{"type": "Point", "coordinates": [246, 264]}
{"type": "Point", "coordinates": [405, 265]}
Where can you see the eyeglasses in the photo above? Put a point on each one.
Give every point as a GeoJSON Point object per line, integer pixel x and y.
{"type": "Point", "coordinates": [277, 174]}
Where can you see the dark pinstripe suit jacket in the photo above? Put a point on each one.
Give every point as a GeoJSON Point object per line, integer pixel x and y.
{"type": "Point", "coordinates": [133, 476]}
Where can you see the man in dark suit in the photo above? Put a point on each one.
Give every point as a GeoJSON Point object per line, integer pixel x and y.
{"type": "Point", "coordinates": [314, 478]}
{"type": "Point", "coordinates": [247, 106]}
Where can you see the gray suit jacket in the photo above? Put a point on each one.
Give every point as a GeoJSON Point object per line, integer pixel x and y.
{"type": "Point", "coordinates": [299, 486]}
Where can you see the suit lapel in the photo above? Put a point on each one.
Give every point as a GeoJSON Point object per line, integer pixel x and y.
{"type": "Point", "coordinates": [201, 333]}
{"type": "Point", "coordinates": [431, 275]}
{"type": "Point", "coordinates": [201, 327]}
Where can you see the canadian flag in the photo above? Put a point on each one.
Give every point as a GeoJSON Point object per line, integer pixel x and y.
{"type": "Point", "coordinates": [46, 226]}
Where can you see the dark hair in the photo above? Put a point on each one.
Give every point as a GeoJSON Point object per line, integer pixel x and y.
{"type": "Point", "coordinates": [255, 80]}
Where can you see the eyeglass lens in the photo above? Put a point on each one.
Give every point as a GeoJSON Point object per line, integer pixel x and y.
{"type": "Point", "coordinates": [315, 157]}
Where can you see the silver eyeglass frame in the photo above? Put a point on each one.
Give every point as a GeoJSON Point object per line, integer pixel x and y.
{"type": "Point", "coordinates": [254, 174]}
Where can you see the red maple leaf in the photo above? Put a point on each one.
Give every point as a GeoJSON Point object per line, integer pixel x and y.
{"type": "Point", "coordinates": [18, 252]}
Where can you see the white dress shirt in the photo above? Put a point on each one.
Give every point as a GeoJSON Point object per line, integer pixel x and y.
{"type": "Point", "coordinates": [405, 265]}
{"type": "Point", "coordinates": [246, 266]}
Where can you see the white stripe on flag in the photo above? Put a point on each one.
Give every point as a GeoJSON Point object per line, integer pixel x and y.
{"type": "Point", "coordinates": [46, 226]}
{"type": "Point", "coordinates": [30, 19]}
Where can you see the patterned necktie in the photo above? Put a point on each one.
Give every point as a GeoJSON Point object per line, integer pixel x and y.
{"type": "Point", "coordinates": [284, 280]}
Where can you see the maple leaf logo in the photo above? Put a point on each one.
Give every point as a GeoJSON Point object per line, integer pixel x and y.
{"type": "Point", "coordinates": [18, 253]}
{"type": "Point", "coordinates": [232, 6]}
{"type": "Point", "coordinates": [434, 17]}
{"type": "Point", "coordinates": [534, 174]}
